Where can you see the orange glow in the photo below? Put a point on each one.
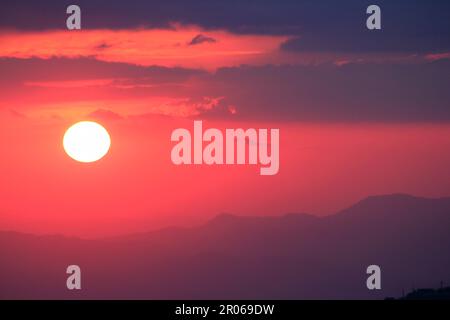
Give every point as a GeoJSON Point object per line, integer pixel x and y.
{"type": "Point", "coordinates": [166, 47]}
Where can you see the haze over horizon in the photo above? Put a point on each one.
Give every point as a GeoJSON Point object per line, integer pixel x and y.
{"type": "Point", "coordinates": [289, 257]}
{"type": "Point", "coordinates": [229, 215]}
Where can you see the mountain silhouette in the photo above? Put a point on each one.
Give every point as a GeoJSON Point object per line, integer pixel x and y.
{"type": "Point", "coordinates": [296, 256]}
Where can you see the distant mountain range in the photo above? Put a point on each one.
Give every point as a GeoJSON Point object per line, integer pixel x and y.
{"type": "Point", "coordinates": [296, 256]}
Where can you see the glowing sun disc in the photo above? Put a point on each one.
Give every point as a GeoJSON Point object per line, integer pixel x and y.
{"type": "Point", "coordinates": [86, 141]}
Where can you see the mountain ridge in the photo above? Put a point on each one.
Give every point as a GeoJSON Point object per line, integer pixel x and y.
{"type": "Point", "coordinates": [286, 257]}
{"type": "Point", "coordinates": [229, 217]}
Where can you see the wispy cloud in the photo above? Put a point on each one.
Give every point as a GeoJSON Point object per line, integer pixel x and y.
{"type": "Point", "coordinates": [162, 47]}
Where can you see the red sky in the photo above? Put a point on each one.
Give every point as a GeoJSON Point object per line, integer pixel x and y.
{"type": "Point", "coordinates": [136, 187]}
{"type": "Point", "coordinates": [143, 83]}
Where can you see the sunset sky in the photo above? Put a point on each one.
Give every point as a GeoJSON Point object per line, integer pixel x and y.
{"type": "Point", "coordinates": [360, 112]}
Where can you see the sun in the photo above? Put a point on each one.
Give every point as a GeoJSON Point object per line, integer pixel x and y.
{"type": "Point", "coordinates": [86, 141]}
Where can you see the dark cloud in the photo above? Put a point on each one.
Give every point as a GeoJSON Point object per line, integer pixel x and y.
{"type": "Point", "coordinates": [102, 46]}
{"type": "Point", "coordinates": [321, 25]}
{"type": "Point", "coordinates": [363, 92]}
{"type": "Point", "coordinates": [350, 93]}
{"type": "Point", "coordinates": [29, 82]}
{"type": "Point", "coordinates": [200, 38]}
{"type": "Point", "coordinates": [54, 69]}
{"type": "Point", "coordinates": [361, 40]}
